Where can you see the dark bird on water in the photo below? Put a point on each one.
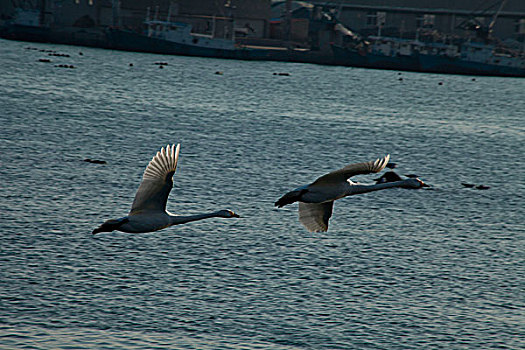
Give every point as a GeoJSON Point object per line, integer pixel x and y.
{"type": "Point", "coordinates": [94, 161]}
{"type": "Point", "coordinates": [478, 187]}
{"type": "Point", "coordinates": [389, 176]}
{"type": "Point", "coordinates": [391, 165]}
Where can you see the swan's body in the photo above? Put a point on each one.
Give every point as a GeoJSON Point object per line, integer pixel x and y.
{"type": "Point", "coordinates": [316, 200]}
{"type": "Point", "coordinates": [148, 211]}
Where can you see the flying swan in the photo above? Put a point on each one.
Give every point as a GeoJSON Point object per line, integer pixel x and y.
{"type": "Point", "coordinates": [148, 211]}
{"type": "Point", "coordinates": [316, 200]}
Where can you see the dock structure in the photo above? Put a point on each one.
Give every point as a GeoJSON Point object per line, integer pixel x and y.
{"type": "Point", "coordinates": [466, 37]}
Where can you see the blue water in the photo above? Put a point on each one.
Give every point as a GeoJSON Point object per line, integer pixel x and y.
{"type": "Point", "coordinates": [398, 269]}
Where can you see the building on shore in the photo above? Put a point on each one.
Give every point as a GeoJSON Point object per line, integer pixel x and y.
{"type": "Point", "coordinates": [404, 18]}
{"type": "Point", "coordinates": [92, 17]}
{"type": "Point", "coordinates": [463, 37]}
{"type": "Point", "coordinates": [266, 19]}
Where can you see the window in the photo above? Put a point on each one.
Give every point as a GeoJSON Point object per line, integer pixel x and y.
{"type": "Point", "coordinates": [480, 20]}
{"type": "Point", "coordinates": [426, 21]}
{"type": "Point", "coordinates": [520, 26]}
{"type": "Point", "coordinates": [374, 19]}
{"type": "Point", "coordinates": [381, 18]}
{"type": "Point", "coordinates": [429, 20]}
{"type": "Point", "coordinates": [371, 18]}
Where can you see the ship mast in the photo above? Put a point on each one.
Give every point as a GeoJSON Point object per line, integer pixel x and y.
{"type": "Point", "coordinates": [288, 24]}
{"type": "Point", "coordinates": [41, 18]}
{"type": "Point", "coordinates": [491, 25]}
{"type": "Point", "coordinates": [115, 6]}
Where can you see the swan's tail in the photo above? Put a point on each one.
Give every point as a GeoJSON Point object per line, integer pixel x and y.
{"type": "Point", "coordinates": [290, 197]}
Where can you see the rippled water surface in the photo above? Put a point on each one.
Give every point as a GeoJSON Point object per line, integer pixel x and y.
{"type": "Point", "coordinates": [398, 269]}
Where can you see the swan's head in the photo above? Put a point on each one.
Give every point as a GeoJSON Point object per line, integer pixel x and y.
{"type": "Point", "coordinates": [227, 214]}
{"type": "Point", "coordinates": [414, 183]}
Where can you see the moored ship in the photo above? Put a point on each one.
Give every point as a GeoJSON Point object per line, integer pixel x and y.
{"type": "Point", "coordinates": [472, 58]}
{"type": "Point", "coordinates": [177, 38]}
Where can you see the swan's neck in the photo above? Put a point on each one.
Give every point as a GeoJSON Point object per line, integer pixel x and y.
{"type": "Point", "coordinates": [179, 219]}
{"type": "Point", "coordinates": [359, 188]}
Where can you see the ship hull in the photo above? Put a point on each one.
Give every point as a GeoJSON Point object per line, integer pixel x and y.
{"type": "Point", "coordinates": [444, 64]}
{"type": "Point", "coordinates": [27, 33]}
{"type": "Point", "coordinates": [130, 41]}
{"type": "Point", "coordinates": [355, 58]}
{"type": "Point", "coordinates": [422, 63]}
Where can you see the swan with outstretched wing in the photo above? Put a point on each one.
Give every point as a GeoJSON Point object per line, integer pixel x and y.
{"type": "Point", "coordinates": [316, 200]}
{"type": "Point", "coordinates": [148, 211]}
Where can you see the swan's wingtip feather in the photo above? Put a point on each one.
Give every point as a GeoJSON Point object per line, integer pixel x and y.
{"type": "Point", "coordinates": [380, 163]}
{"type": "Point", "coordinates": [164, 162]}
{"type": "Point", "coordinates": [177, 151]}
{"type": "Point", "coordinates": [384, 161]}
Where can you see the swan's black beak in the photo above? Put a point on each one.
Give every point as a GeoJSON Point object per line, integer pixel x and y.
{"type": "Point", "coordinates": [234, 215]}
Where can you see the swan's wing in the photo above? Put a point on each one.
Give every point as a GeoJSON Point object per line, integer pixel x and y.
{"type": "Point", "coordinates": [157, 181]}
{"type": "Point", "coordinates": [315, 216]}
{"type": "Point", "coordinates": [348, 171]}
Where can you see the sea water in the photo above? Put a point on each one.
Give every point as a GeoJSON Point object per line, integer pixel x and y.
{"type": "Point", "coordinates": [398, 269]}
